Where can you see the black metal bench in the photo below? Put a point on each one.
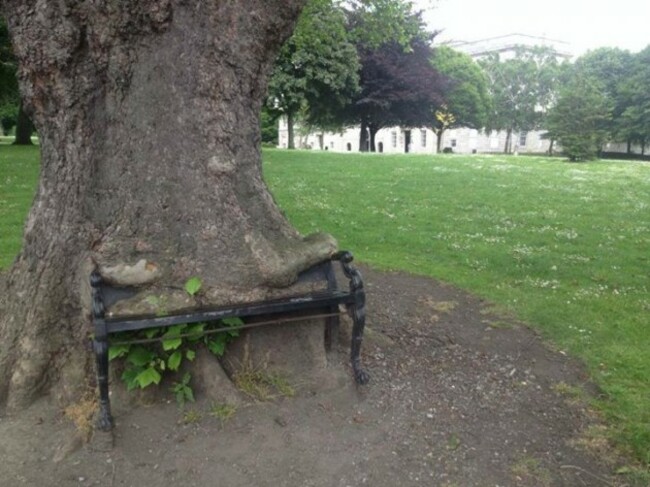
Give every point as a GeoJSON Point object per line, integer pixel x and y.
{"type": "Point", "coordinates": [323, 304]}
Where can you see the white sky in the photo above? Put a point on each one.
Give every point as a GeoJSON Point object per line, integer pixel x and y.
{"type": "Point", "coordinates": [584, 24]}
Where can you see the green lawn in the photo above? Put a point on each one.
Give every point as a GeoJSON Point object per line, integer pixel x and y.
{"type": "Point", "coordinates": [18, 175]}
{"type": "Point", "coordinates": [563, 246]}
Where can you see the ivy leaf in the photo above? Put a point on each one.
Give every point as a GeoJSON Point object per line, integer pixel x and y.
{"type": "Point", "coordinates": [187, 391]}
{"type": "Point", "coordinates": [196, 331]}
{"type": "Point", "coordinates": [171, 344]}
{"type": "Point", "coordinates": [170, 338]}
{"type": "Point", "coordinates": [174, 361]}
{"type": "Point", "coordinates": [190, 355]}
{"type": "Point", "coordinates": [128, 377]}
{"type": "Point", "coordinates": [147, 377]}
{"type": "Point", "coordinates": [140, 356]}
{"type": "Point", "coordinates": [116, 351]}
{"type": "Point", "coordinates": [193, 285]}
{"type": "Point", "coordinates": [232, 322]}
{"type": "Point", "coordinates": [217, 347]}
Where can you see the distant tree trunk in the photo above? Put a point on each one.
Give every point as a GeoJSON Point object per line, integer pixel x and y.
{"type": "Point", "coordinates": [148, 117]}
{"type": "Point", "coordinates": [629, 146]}
{"type": "Point", "coordinates": [508, 146]}
{"type": "Point", "coordinates": [550, 147]}
{"type": "Point", "coordinates": [291, 144]}
{"type": "Point", "coordinates": [439, 132]}
{"type": "Point", "coordinates": [24, 128]}
{"type": "Point", "coordinates": [643, 147]}
{"type": "Point", "coordinates": [363, 137]}
{"type": "Point", "coordinates": [373, 132]}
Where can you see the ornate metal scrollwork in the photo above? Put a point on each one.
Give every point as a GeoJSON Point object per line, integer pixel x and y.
{"type": "Point", "coordinates": [358, 312]}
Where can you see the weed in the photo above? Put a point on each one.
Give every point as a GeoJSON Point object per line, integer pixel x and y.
{"type": "Point", "coordinates": [81, 413]}
{"type": "Point", "coordinates": [261, 385]}
{"type": "Point", "coordinates": [192, 416]}
{"type": "Point", "coordinates": [223, 411]}
{"type": "Point", "coordinates": [530, 470]}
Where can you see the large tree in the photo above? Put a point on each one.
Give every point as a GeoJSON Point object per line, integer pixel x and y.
{"type": "Point", "coordinates": [580, 118]}
{"type": "Point", "coordinates": [610, 69]}
{"type": "Point", "coordinates": [521, 89]}
{"type": "Point", "coordinates": [317, 69]}
{"type": "Point", "coordinates": [148, 116]}
{"type": "Point", "coordinates": [467, 101]}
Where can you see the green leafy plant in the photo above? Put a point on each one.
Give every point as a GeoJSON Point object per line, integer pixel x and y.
{"type": "Point", "coordinates": [182, 390]}
{"type": "Point", "coordinates": [149, 354]}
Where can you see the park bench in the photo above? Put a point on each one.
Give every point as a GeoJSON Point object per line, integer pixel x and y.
{"type": "Point", "coordinates": [316, 305]}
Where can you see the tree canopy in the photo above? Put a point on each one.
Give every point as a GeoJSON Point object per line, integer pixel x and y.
{"type": "Point", "coordinates": [467, 102]}
{"type": "Point", "coordinates": [521, 89]}
{"type": "Point", "coordinates": [317, 68]}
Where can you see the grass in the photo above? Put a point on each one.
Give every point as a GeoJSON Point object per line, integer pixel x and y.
{"type": "Point", "coordinates": [564, 247]}
{"type": "Point", "coordinates": [18, 175]}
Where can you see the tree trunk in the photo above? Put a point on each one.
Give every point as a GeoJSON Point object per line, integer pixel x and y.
{"type": "Point", "coordinates": [550, 147]}
{"type": "Point", "coordinates": [291, 144]}
{"type": "Point", "coordinates": [24, 128]}
{"type": "Point", "coordinates": [373, 129]}
{"type": "Point", "coordinates": [363, 137]}
{"type": "Point", "coordinates": [506, 149]}
{"type": "Point", "coordinates": [148, 116]}
{"type": "Point", "coordinates": [643, 148]}
{"type": "Point", "coordinates": [439, 133]}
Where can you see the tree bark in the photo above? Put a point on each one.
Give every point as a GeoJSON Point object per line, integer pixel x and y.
{"type": "Point", "coordinates": [148, 117]}
{"type": "Point", "coordinates": [373, 129]}
{"type": "Point", "coordinates": [24, 128]}
{"type": "Point", "coordinates": [439, 133]}
{"type": "Point", "coordinates": [550, 147]}
{"type": "Point", "coordinates": [507, 148]}
{"type": "Point", "coordinates": [291, 144]}
{"type": "Point", "coordinates": [363, 137]}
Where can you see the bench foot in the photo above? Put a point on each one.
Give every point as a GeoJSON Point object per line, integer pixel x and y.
{"type": "Point", "coordinates": [104, 419]}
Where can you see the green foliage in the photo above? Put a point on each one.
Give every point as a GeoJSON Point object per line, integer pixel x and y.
{"type": "Point", "coordinates": [467, 101]}
{"type": "Point", "coordinates": [522, 88]}
{"type": "Point", "coordinates": [317, 69]}
{"type": "Point", "coordinates": [9, 95]}
{"type": "Point", "coordinates": [168, 347]}
{"type": "Point", "coordinates": [579, 119]}
{"type": "Point", "coordinates": [193, 285]}
{"type": "Point", "coordinates": [182, 390]}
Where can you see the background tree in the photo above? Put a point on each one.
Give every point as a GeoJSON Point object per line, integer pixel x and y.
{"type": "Point", "coordinates": [609, 68]}
{"type": "Point", "coordinates": [149, 120]}
{"type": "Point", "coordinates": [317, 69]}
{"type": "Point", "coordinates": [520, 89]}
{"type": "Point", "coordinates": [634, 122]}
{"type": "Point", "coordinates": [9, 97]}
{"type": "Point", "coordinates": [398, 87]}
{"type": "Point", "coordinates": [580, 118]}
{"type": "Point", "coordinates": [467, 101]}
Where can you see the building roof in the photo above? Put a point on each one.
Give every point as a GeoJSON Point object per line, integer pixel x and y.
{"type": "Point", "coordinates": [509, 43]}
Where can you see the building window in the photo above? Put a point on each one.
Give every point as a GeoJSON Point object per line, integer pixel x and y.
{"type": "Point", "coordinates": [393, 136]}
{"type": "Point", "coordinates": [349, 147]}
{"type": "Point", "coordinates": [522, 138]}
{"type": "Point", "coordinates": [453, 142]}
{"type": "Point", "coordinates": [423, 137]}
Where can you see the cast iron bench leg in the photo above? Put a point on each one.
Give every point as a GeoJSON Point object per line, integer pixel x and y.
{"type": "Point", "coordinates": [358, 311]}
{"type": "Point", "coordinates": [104, 419]}
{"type": "Point", "coordinates": [359, 321]}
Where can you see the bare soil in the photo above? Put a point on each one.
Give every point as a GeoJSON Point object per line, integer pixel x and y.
{"type": "Point", "coordinates": [459, 396]}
